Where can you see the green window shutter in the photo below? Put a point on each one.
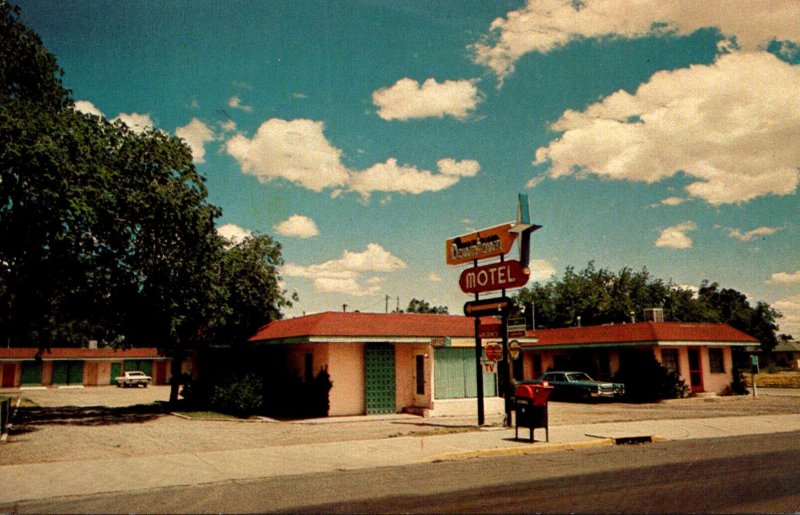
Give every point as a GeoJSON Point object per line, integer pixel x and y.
{"type": "Point", "coordinates": [31, 373]}
{"type": "Point", "coordinates": [454, 374]}
{"type": "Point", "coordinates": [116, 371]}
{"type": "Point", "coordinates": [67, 372]}
{"type": "Point", "coordinates": [142, 365]}
{"type": "Point", "coordinates": [146, 366]}
{"type": "Point", "coordinates": [60, 372]}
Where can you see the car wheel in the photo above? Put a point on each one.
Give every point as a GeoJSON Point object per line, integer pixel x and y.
{"type": "Point", "coordinates": [585, 395]}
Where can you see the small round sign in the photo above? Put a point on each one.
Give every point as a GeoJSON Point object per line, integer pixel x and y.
{"type": "Point", "coordinates": [513, 349]}
{"type": "Point", "coordinates": [494, 352]}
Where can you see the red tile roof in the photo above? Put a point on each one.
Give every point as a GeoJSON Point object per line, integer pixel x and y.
{"type": "Point", "coordinates": [340, 324]}
{"type": "Point", "coordinates": [26, 353]}
{"type": "Point", "coordinates": [379, 325]}
{"type": "Point", "coordinates": [643, 332]}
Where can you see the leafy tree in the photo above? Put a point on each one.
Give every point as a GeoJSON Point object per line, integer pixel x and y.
{"type": "Point", "coordinates": [732, 307]}
{"type": "Point", "coordinates": [422, 306]}
{"type": "Point", "coordinates": [248, 294]}
{"type": "Point", "coordinates": [599, 296]}
{"type": "Point", "coordinates": [107, 233]}
{"type": "Point", "coordinates": [28, 71]}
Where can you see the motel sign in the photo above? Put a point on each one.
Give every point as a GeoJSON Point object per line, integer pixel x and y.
{"type": "Point", "coordinates": [497, 276]}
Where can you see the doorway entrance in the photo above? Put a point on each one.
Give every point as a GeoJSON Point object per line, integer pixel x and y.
{"type": "Point", "coordinates": [379, 379]}
{"type": "Point", "coordinates": [696, 371]}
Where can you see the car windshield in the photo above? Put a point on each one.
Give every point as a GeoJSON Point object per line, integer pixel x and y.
{"type": "Point", "coordinates": [578, 376]}
{"type": "Point", "coordinates": [135, 373]}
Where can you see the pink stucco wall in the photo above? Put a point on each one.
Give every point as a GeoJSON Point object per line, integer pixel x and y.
{"type": "Point", "coordinates": [713, 383]}
{"type": "Point", "coordinates": [405, 376]}
{"type": "Point", "coordinates": [346, 367]}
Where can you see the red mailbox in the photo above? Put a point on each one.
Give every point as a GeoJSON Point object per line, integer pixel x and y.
{"type": "Point", "coordinates": [530, 406]}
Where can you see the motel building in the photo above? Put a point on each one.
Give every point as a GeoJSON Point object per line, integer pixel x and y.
{"type": "Point", "coordinates": [425, 364]}
{"type": "Point", "coordinates": [58, 367]}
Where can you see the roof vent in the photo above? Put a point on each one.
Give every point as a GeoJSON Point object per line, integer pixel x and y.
{"type": "Point", "coordinates": [654, 315]}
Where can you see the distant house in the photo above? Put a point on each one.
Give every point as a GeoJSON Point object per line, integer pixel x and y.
{"type": "Point", "coordinates": [785, 354]}
{"type": "Point", "coordinates": [700, 353]}
{"type": "Point", "coordinates": [419, 363]}
{"type": "Point", "coordinates": [69, 366]}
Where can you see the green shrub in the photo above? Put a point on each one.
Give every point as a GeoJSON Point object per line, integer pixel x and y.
{"type": "Point", "coordinates": [299, 398]}
{"type": "Point", "coordinates": [647, 380]}
{"type": "Point", "coordinates": [738, 385]}
{"type": "Point", "coordinates": [241, 396]}
{"type": "Point", "coordinates": [772, 368]}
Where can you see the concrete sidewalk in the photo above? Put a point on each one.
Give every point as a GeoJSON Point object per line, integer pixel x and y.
{"type": "Point", "coordinates": [79, 478]}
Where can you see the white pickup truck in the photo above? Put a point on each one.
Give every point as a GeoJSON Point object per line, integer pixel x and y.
{"type": "Point", "coordinates": [133, 378]}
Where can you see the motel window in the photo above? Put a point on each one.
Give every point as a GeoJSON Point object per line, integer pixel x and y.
{"type": "Point", "coordinates": [715, 362]}
{"type": "Point", "coordinates": [537, 365]}
{"type": "Point", "coordinates": [669, 358]}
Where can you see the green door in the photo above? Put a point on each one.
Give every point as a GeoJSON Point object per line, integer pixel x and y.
{"type": "Point", "coordinates": [75, 375]}
{"type": "Point", "coordinates": [379, 378]}
{"type": "Point", "coordinates": [116, 371]}
{"type": "Point", "coordinates": [31, 373]}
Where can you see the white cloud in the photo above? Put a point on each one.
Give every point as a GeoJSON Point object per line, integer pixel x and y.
{"type": "Point", "coordinates": [732, 127]}
{"type": "Point", "coordinates": [434, 277]}
{"type": "Point", "coordinates": [299, 152]}
{"type": "Point", "coordinates": [294, 150]}
{"type": "Point", "coordinates": [297, 226]}
{"type": "Point", "coordinates": [790, 309]}
{"type": "Point", "coordinates": [785, 278]}
{"type": "Point", "coordinates": [233, 233]}
{"type": "Point", "coordinates": [675, 237]}
{"type": "Point", "coordinates": [407, 99]}
{"type": "Point", "coordinates": [545, 25]}
{"type": "Point", "coordinates": [541, 270]}
{"type": "Point", "coordinates": [86, 107]}
{"type": "Point", "coordinates": [345, 275]}
{"type": "Point", "coordinates": [694, 289]}
{"type": "Point", "coordinates": [673, 201]}
{"type": "Point", "coordinates": [535, 181]}
{"type": "Point", "coordinates": [749, 235]}
{"type": "Point", "coordinates": [392, 177]}
{"type": "Point", "coordinates": [228, 125]}
{"type": "Point", "coordinates": [196, 134]}
{"type": "Point", "coordinates": [137, 122]}
{"type": "Point", "coordinates": [236, 103]}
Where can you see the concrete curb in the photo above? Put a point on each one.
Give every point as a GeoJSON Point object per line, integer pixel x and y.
{"type": "Point", "coordinates": [259, 420]}
{"type": "Point", "coordinates": [520, 451]}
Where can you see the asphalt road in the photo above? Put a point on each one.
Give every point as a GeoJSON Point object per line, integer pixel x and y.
{"type": "Point", "coordinates": [751, 474]}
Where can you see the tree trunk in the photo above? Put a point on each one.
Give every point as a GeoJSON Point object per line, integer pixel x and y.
{"type": "Point", "coordinates": [177, 374]}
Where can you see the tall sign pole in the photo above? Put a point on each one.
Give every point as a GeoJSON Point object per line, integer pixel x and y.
{"type": "Point", "coordinates": [489, 243]}
{"type": "Point", "coordinates": [478, 367]}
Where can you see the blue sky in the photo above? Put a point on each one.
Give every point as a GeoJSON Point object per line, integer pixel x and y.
{"type": "Point", "coordinates": [363, 134]}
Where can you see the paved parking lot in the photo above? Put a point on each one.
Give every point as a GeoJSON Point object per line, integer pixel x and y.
{"type": "Point", "coordinates": [110, 422]}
